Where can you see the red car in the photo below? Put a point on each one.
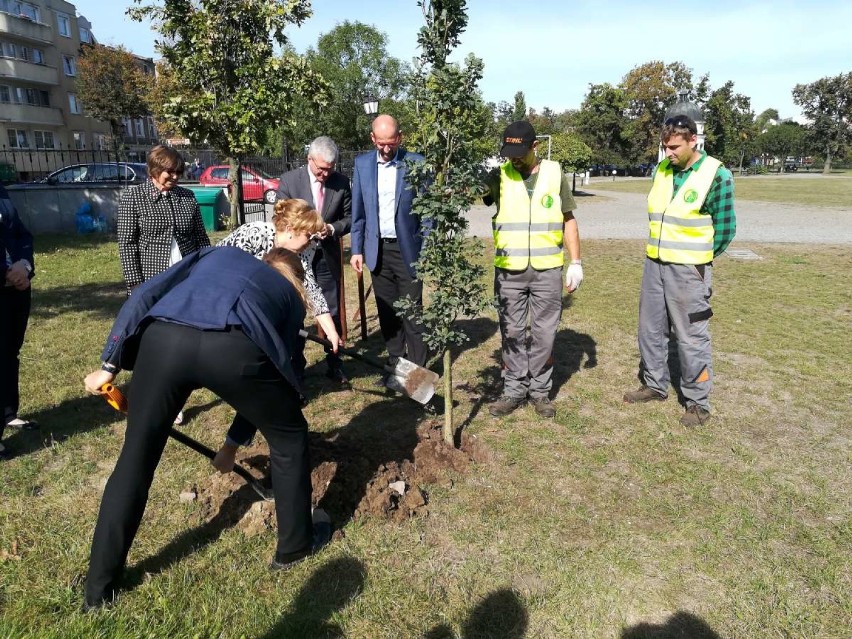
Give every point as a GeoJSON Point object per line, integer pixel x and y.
{"type": "Point", "coordinates": [257, 185]}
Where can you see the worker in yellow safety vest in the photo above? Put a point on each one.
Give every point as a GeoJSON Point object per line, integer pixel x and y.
{"type": "Point", "coordinates": [691, 221]}
{"type": "Point", "coordinates": [534, 221]}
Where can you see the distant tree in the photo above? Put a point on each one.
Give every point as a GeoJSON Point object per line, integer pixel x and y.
{"type": "Point", "coordinates": [782, 140]}
{"type": "Point", "coordinates": [229, 87]}
{"type": "Point", "coordinates": [729, 126]}
{"type": "Point", "coordinates": [571, 152]}
{"type": "Point", "coordinates": [602, 124]}
{"type": "Point", "coordinates": [519, 112]}
{"type": "Point", "coordinates": [112, 86]}
{"type": "Point", "coordinates": [353, 59]}
{"type": "Point", "coordinates": [827, 103]}
{"type": "Point", "coordinates": [451, 117]}
{"type": "Point", "coordinates": [763, 120]}
{"type": "Point", "coordinates": [650, 90]}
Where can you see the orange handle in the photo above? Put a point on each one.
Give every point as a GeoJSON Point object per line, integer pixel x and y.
{"type": "Point", "coordinates": [115, 397]}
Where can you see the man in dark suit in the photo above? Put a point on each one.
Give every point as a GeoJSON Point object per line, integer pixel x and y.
{"type": "Point", "coordinates": [16, 271]}
{"type": "Point", "coordinates": [387, 237]}
{"type": "Point", "coordinates": [319, 184]}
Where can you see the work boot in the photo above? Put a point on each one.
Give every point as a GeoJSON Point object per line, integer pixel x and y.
{"type": "Point", "coordinates": [543, 407]}
{"type": "Point", "coordinates": [695, 416]}
{"type": "Point", "coordinates": [643, 394]}
{"type": "Point", "coordinates": [505, 405]}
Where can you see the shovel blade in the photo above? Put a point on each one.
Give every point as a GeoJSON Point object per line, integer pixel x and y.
{"type": "Point", "coordinates": [412, 380]}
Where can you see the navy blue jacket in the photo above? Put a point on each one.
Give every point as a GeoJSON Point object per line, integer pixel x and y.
{"type": "Point", "coordinates": [15, 240]}
{"type": "Point", "coordinates": [365, 210]}
{"type": "Point", "coordinates": [212, 289]}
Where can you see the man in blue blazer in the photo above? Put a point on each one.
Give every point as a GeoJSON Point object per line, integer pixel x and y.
{"type": "Point", "coordinates": [16, 271]}
{"type": "Point", "coordinates": [387, 237]}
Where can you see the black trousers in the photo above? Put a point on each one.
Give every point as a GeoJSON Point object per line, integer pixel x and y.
{"type": "Point", "coordinates": [173, 361]}
{"type": "Point", "coordinates": [391, 282]}
{"type": "Point", "coordinates": [14, 315]}
{"type": "Point", "coordinates": [331, 292]}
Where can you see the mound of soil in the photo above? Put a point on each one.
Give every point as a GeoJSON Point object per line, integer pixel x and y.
{"type": "Point", "coordinates": [350, 479]}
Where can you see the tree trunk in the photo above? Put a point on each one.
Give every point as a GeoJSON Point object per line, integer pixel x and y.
{"type": "Point", "coordinates": [236, 195]}
{"type": "Point", "coordinates": [449, 430]}
{"type": "Point", "coordinates": [826, 169]}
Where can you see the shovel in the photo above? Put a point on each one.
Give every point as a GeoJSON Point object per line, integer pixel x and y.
{"type": "Point", "coordinates": [405, 377]}
{"type": "Point", "coordinates": [118, 401]}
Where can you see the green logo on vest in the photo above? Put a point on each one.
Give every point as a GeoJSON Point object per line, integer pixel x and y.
{"type": "Point", "coordinates": [690, 196]}
{"type": "Point", "coordinates": [547, 201]}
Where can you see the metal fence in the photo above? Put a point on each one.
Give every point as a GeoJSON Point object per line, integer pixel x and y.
{"type": "Point", "coordinates": [29, 165]}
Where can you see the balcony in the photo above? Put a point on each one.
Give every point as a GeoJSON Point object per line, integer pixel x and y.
{"type": "Point", "coordinates": [28, 114]}
{"type": "Point", "coordinates": [25, 28]}
{"type": "Point", "coordinates": [28, 72]}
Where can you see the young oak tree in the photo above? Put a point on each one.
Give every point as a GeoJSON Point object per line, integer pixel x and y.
{"type": "Point", "coordinates": [229, 87]}
{"type": "Point", "coordinates": [112, 86]}
{"type": "Point", "coordinates": [451, 118]}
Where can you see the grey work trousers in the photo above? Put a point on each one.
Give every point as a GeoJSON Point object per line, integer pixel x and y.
{"type": "Point", "coordinates": [529, 308]}
{"type": "Point", "coordinates": [675, 297]}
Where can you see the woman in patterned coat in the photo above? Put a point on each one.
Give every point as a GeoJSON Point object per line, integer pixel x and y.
{"type": "Point", "coordinates": [159, 222]}
{"type": "Point", "coordinates": [294, 226]}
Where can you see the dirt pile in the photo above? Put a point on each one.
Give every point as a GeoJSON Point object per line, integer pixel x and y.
{"type": "Point", "coordinates": [349, 479]}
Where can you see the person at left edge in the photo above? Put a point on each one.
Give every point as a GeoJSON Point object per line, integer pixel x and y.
{"type": "Point", "coordinates": [16, 271]}
{"type": "Point", "coordinates": [222, 320]}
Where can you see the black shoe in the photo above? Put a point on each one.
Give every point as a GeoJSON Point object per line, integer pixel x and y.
{"type": "Point", "coordinates": [322, 536]}
{"type": "Point", "coordinates": [337, 375]}
{"type": "Point", "coordinates": [5, 452]}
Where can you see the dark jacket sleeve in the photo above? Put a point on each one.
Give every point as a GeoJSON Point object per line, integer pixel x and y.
{"type": "Point", "coordinates": [16, 238]}
{"type": "Point", "coordinates": [121, 345]}
{"type": "Point", "coordinates": [343, 225]}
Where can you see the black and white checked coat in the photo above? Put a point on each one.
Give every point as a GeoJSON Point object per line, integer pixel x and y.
{"type": "Point", "coordinates": [148, 220]}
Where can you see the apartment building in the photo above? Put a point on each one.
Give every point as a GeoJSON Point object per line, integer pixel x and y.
{"type": "Point", "coordinates": [40, 43]}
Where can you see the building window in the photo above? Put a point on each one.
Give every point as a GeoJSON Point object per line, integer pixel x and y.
{"type": "Point", "coordinates": [100, 142]}
{"type": "Point", "coordinates": [140, 128]}
{"type": "Point", "coordinates": [85, 35]}
{"type": "Point", "coordinates": [18, 139]}
{"type": "Point", "coordinates": [21, 9]}
{"type": "Point", "coordinates": [79, 140]}
{"type": "Point", "coordinates": [8, 50]}
{"type": "Point", "coordinates": [63, 24]}
{"type": "Point", "coordinates": [5, 94]}
{"type": "Point", "coordinates": [74, 104]}
{"type": "Point", "coordinates": [44, 139]}
{"type": "Point", "coordinates": [69, 64]}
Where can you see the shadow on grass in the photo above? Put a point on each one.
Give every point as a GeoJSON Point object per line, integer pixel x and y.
{"type": "Point", "coordinates": [679, 626]}
{"type": "Point", "coordinates": [99, 300]}
{"type": "Point", "coordinates": [58, 423]}
{"type": "Point", "coordinates": [382, 433]}
{"type": "Point", "coordinates": [328, 590]}
{"type": "Point", "coordinates": [191, 541]}
{"type": "Point", "coordinates": [570, 348]}
{"type": "Point", "coordinates": [500, 615]}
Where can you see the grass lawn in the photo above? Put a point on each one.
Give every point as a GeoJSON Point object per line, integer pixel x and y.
{"type": "Point", "coordinates": [834, 190]}
{"type": "Point", "coordinates": [609, 521]}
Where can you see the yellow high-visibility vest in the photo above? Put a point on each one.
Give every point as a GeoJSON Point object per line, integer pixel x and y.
{"type": "Point", "coordinates": [528, 228]}
{"type": "Point", "coordinates": [679, 232]}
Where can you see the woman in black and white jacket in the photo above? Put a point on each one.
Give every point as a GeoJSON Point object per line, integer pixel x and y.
{"type": "Point", "coordinates": [158, 222]}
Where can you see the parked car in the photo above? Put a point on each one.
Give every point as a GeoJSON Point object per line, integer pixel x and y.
{"type": "Point", "coordinates": [258, 186]}
{"type": "Point", "coordinates": [98, 173]}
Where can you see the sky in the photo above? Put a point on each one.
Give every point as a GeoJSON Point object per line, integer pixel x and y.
{"type": "Point", "coordinates": [552, 50]}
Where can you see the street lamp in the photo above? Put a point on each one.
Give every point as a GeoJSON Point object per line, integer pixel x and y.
{"type": "Point", "coordinates": [371, 107]}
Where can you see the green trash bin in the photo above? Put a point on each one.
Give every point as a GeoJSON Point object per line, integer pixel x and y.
{"type": "Point", "coordinates": [207, 197]}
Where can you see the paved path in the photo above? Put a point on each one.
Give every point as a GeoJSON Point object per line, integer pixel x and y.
{"type": "Point", "coordinates": [615, 215]}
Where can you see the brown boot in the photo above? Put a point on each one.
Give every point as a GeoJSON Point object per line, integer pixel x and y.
{"type": "Point", "coordinates": [505, 405]}
{"type": "Point", "coordinates": [643, 394]}
{"type": "Point", "coordinates": [543, 407]}
{"type": "Point", "coordinates": [695, 416]}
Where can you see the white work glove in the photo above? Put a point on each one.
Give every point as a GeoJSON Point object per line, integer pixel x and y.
{"type": "Point", "coordinates": [573, 276]}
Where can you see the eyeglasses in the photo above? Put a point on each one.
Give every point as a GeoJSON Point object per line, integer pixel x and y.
{"type": "Point", "coordinates": [321, 169]}
{"type": "Point", "coordinates": [680, 122]}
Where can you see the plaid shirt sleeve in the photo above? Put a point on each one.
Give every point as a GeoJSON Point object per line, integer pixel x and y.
{"type": "Point", "coordinates": [720, 206]}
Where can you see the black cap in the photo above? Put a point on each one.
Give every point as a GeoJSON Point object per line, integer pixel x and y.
{"type": "Point", "coordinates": [518, 139]}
